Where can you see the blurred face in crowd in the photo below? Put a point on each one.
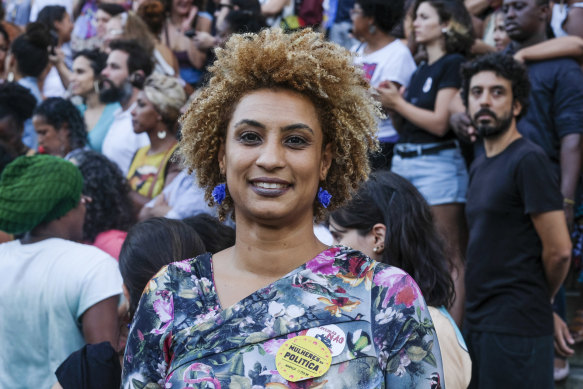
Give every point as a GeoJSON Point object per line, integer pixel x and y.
{"type": "Point", "coordinates": [222, 10]}
{"type": "Point", "coordinates": [113, 30]}
{"type": "Point", "coordinates": [64, 28]}
{"type": "Point", "coordinates": [501, 39]}
{"type": "Point", "coordinates": [114, 84]}
{"type": "Point", "coordinates": [101, 19]}
{"type": "Point", "coordinates": [360, 23]}
{"type": "Point", "coordinates": [145, 117]}
{"type": "Point", "coordinates": [523, 18]}
{"type": "Point", "coordinates": [83, 77]}
{"type": "Point", "coordinates": [491, 106]}
{"type": "Point", "coordinates": [427, 25]}
{"type": "Point", "coordinates": [54, 141]}
{"type": "Point", "coordinates": [181, 7]}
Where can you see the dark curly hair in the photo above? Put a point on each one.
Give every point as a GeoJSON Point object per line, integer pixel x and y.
{"type": "Point", "coordinates": [149, 246]}
{"type": "Point", "coordinates": [97, 60]}
{"type": "Point", "coordinates": [110, 207]}
{"type": "Point", "coordinates": [30, 49]}
{"type": "Point", "coordinates": [459, 36]}
{"type": "Point", "coordinates": [17, 102]}
{"type": "Point", "coordinates": [411, 241]}
{"type": "Point", "coordinates": [503, 66]}
{"type": "Point", "coordinates": [57, 111]}
{"type": "Point", "coordinates": [385, 13]}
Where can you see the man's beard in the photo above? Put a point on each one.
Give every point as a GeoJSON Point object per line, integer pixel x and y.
{"type": "Point", "coordinates": [491, 130]}
{"type": "Point", "coordinates": [110, 93]}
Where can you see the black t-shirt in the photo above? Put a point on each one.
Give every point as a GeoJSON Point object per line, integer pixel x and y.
{"type": "Point", "coordinates": [422, 92]}
{"type": "Point", "coordinates": [506, 288]}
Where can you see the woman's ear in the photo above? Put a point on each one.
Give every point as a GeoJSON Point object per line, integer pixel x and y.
{"type": "Point", "coordinates": [221, 156]}
{"type": "Point", "coordinates": [379, 232]}
{"type": "Point", "coordinates": [326, 161]}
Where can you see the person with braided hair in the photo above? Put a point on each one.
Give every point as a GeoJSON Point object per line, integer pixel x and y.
{"type": "Point", "coordinates": [16, 107]}
{"type": "Point", "coordinates": [60, 128]}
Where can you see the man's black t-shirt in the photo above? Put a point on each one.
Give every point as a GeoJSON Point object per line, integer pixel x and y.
{"type": "Point", "coordinates": [422, 92]}
{"type": "Point", "coordinates": [506, 289]}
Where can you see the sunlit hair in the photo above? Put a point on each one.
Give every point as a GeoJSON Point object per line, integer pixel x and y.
{"type": "Point", "coordinates": [302, 62]}
{"type": "Point", "coordinates": [167, 95]}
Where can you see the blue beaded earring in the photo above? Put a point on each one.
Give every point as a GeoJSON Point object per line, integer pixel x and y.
{"type": "Point", "coordinates": [219, 193]}
{"type": "Point", "coordinates": [324, 197]}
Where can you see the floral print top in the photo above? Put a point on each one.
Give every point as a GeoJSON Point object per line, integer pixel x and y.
{"type": "Point", "coordinates": [182, 338]}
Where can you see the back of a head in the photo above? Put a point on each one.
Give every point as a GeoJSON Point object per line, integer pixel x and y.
{"type": "Point", "coordinates": [215, 235]}
{"type": "Point", "coordinates": [51, 14]}
{"type": "Point", "coordinates": [110, 207]}
{"type": "Point", "coordinates": [36, 190]}
{"type": "Point", "coordinates": [135, 28]}
{"type": "Point", "coordinates": [153, 14]}
{"type": "Point", "coordinates": [59, 112]}
{"type": "Point", "coordinates": [386, 14]}
{"type": "Point", "coordinates": [138, 57]}
{"type": "Point", "coordinates": [412, 242]}
{"type": "Point", "coordinates": [16, 101]}
{"type": "Point", "coordinates": [30, 50]}
{"type": "Point", "coordinates": [242, 21]}
{"type": "Point", "coordinates": [149, 246]}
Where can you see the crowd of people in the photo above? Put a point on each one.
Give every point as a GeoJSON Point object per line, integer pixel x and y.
{"type": "Point", "coordinates": [289, 193]}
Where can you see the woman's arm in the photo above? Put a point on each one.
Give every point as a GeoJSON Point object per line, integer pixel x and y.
{"type": "Point", "coordinates": [565, 46]}
{"type": "Point", "coordinates": [435, 122]}
{"type": "Point", "coordinates": [273, 7]}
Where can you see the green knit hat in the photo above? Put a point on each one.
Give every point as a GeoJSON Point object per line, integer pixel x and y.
{"type": "Point", "coordinates": [35, 190]}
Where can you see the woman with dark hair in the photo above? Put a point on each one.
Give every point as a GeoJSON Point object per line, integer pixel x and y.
{"type": "Point", "coordinates": [428, 153]}
{"type": "Point", "coordinates": [58, 21]}
{"type": "Point", "coordinates": [390, 221]}
{"type": "Point", "coordinates": [109, 211]}
{"type": "Point", "coordinates": [27, 59]}
{"type": "Point", "coordinates": [16, 107]}
{"type": "Point", "coordinates": [87, 67]}
{"type": "Point", "coordinates": [383, 58]}
{"type": "Point", "coordinates": [60, 128]}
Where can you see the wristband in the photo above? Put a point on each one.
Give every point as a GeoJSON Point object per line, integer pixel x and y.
{"type": "Point", "coordinates": [568, 201]}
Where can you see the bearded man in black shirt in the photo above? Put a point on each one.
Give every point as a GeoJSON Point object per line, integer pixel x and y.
{"type": "Point", "coordinates": [519, 246]}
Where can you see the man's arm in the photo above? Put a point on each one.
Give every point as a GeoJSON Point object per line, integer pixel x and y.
{"type": "Point", "coordinates": [100, 323]}
{"type": "Point", "coordinates": [556, 256]}
{"type": "Point", "coordinates": [571, 158]}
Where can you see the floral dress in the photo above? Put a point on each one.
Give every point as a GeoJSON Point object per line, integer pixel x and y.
{"type": "Point", "coordinates": [382, 334]}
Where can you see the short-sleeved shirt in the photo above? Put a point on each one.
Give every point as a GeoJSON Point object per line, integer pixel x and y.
{"type": "Point", "coordinates": [381, 333]}
{"type": "Point", "coordinates": [425, 83]}
{"type": "Point", "coordinates": [393, 62]}
{"type": "Point", "coordinates": [46, 287]}
{"type": "Point", "coordinates": [506, 288]}
{"type": "Point", "coordinates": [556, 104]}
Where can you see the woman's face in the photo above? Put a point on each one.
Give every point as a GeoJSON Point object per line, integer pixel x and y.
{"type": "Point", "coordinates": [351, 238]}
{"type": "Point", "coordinates": [427, 26]}
{"type": "Point", "coordinates": [54, 141]}
{"type": "Point", "coordinates": [501, 39]}
{"type": "Point", "coordinates": [181, 7]}
{"type": "Point", "coordinates": [64, 28]}
{"type": "Point", "coordinates": [82, 77]}
{"type": "Point", "coordinates": [113, 30]}
{"type": "Point", "coordinates": [144, 115]}
{"type": "Point", "coordinates": [101, 19]}
{"type": "Point", "coordinates": [274, 158]}
{"type": "Point", "coordinates": [360, 23]}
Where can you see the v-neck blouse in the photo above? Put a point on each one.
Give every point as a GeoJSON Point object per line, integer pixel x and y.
{"type": "Point", "coordinates": [181, 337]}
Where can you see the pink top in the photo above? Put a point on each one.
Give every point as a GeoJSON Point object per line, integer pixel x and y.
{"type": "Point", "coordinates": [110, 242]}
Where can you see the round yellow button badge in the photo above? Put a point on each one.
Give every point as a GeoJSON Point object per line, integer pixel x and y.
{"type": "Point", "coordinates": [302, 357]}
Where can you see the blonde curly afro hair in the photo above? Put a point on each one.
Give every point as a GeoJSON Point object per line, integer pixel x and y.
{"type": "Point", "coordinates": [302, 62]}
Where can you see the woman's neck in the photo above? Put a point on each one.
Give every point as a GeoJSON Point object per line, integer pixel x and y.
{"type": "Point", "coordinates": [177, 19]}
{"type": "Point", "coordinates": [272, 252]}
{"type": "Point", "coordinates": [377, 42]}
{"type": "Point", "coordinates": [158, 145]}
{"type": "Point", "coordinates": [92, 101]}
{"type": "Point", "coordinates": [435, 51]}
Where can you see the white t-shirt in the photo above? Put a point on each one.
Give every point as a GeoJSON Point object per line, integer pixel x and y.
{"type": "Point", "coordinates": [121, 142]}
{"type": "Point", "coordinates": [393, 62]}
{"type": "Point", "coordinates": [46, 287]}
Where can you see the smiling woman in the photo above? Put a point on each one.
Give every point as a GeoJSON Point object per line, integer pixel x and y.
{"type": "Point", "coordinates": [284, 118]}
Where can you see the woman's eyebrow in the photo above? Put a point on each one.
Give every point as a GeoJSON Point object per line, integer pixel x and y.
{"type": "Point", "coordinates": [249, 122]}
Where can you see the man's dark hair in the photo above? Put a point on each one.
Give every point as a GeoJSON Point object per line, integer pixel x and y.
{"type": "Point", "coordinates": [138, 57]}
{"type": "Point", "coordinates": [57, 111]}
{"type": "Point", "coordinates": [111, 8]}
{"type": "Point", "coordinates": [503, 66]}
{"type": "Point", "coordinates": [385, 13]}
{"type": "Point", "coordinates": [30, 50]}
